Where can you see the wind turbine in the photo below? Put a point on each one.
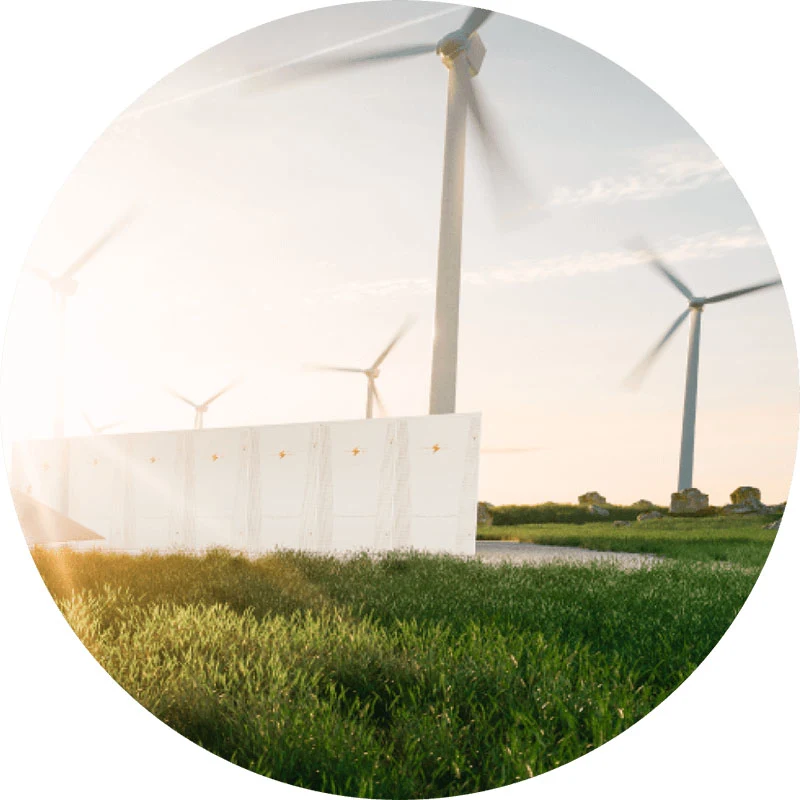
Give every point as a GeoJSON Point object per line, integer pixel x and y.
{"type": "Point", "coordinates": [63, 287]}
{"type": "Point", "coordinates": [98, 429]}
{"type": "Point", "coordinates": [462, 52]}
{"type": "Point", "coordinates": [372, 372]}
{"type": "Point", "coordinates": [695, 310]}
{"type": "Point", "coordinates": [201, 408]}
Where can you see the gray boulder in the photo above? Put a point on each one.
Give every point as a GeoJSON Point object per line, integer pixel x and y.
{"type": "Point", "coordinates": [689, 501]}
{"type": "Point", "coordinates": [645, 516]}
{"type": "Point", "coordinates": [485, 513]}
{"type": "Point", "coordinates": [741, 508]}
{"type": "Point", "coordinates": [621, 523]}
{"type": "Point", "coordinates": [746, 495]}
{"type": "Point", "coordinates": [591, 499]}
{"type": "Point", "coordinates": [772, 526]}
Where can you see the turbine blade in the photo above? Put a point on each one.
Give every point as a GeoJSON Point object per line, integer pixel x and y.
{"type": "Point", "coordinates": [88, 422]}
{"type": "Point", "coordinates": [378, 399]}
{"type": "Point", "coordinates": [40, 273]}
{"type": "Point", "coordinates": [326, 368]}
{"type": "Point", "coordinates": [757, 287]}
{"type": "Point", "coordinates": [116, 228]}
{"type": "Point", "coordinates": [316, 67]}
{"type": "Point", "coordinates": [511, 193]}
{"type": "Point", "coordinates": [657, 264]}
{"type": "Point", "coordinates": [108, 427]}
{"type": "Point", "coordinates": [404, 329]}
{"type": "Point", "coordinates": [180, 397]}
{"type": "Point", "coordinates": [637, 375]}
{"type": "Point", "coordinates": [232, 385]}
{"type": "Point", "coordinates": [475, 19]}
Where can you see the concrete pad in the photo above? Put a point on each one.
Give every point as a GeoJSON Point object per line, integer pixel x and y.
{"type": "Point", "coordinates": [538, 554]}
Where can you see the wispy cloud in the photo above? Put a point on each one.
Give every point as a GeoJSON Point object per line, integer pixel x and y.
{"type": "Point", "coordinates": [706, 247]}
{"type": "Point", "coordinates": [675, 251]}
{"type": "Point", "coordinates": [681, 166]}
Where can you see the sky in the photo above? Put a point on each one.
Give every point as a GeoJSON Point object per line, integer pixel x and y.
{"type": "Point", "coordinates": [283, 224]}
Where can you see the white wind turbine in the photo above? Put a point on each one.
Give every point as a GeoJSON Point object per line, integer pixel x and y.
{"type": "Point", "coordinates": [462, 52]}
{"type": "Point", "coordinates": [201, 408]}
{"type": "Point", "coordinates": [695, 309]}
{"type": "Point", "coordinates": [63, 287]}
{"type": "Point", "coordinates": [98, 429]}
{"type": "Point", "coordinates": [372, 372]}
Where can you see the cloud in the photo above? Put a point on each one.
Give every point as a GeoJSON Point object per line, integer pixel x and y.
{"type": "Point", "coordinates": [705, 247]}
{"type": "Point", "coordinates": [675, 251]}
{"type": "Point", "coordinates": [680, 166]}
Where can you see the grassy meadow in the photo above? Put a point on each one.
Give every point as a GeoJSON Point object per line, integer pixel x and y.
{"type": "Point", "coordinates": [409, 675]}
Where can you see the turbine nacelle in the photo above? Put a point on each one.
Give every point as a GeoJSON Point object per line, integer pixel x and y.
{"type": "Point", "coordinates": [454, 44]}
{"type": "Point", "coordinates": [64, 286]}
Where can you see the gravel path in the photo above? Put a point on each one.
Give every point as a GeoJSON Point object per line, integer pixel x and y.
{"type": "Point", "coordinates": [527, 553]}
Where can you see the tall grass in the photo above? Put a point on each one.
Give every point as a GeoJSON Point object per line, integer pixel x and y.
{"type": "Point", "coordinates": [563, 513]}
{"type": "Point", "coordinates": [409, 676]}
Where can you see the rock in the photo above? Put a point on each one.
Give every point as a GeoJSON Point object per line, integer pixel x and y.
{"type": "Point", "coordinates": [746, 495]}
{"type": "Point", "coordinates": [591, 499]}
{"type": "Point", "coordinates": [689, 501]}
{"type": "Point", "coordinates": [621, 523]}
{"type": "Point", "coordinates": [598, 511]}
{"type": "Point", "coordinates": [772, 526]}
{"type": "Point", "coordinates": [485, 513]}
{"type": "Point", "coordinates": [737, 509]}
{"type": "Point", "coordinates": [648, 515]}
{"type": "Point", "coordinates": [645, 505]}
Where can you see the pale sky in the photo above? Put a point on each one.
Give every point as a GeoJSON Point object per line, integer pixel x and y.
{"type": "Point", "coordinates": [300, 225]}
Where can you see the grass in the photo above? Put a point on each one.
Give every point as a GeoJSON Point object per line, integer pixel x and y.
{"type": "Point", "coordinates": [409, 676]}
{"type": "Point", "coordinates": [739, 540]}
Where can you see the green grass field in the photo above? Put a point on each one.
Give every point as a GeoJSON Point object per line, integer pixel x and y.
{"type": "Point", "coordinates": [410, 676]}
{"type": "Point", "coordinates": [741, 540]}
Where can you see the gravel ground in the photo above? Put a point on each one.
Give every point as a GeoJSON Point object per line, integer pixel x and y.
{"type": "Point", "coordinates": [526, 553]}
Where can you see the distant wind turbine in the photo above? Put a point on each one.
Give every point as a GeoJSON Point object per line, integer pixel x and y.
{"type": "Point", "coordinates": [201, 408]}
{"type": "Point", "coordinates": [63, 287]}
{"type": "Point", "coordinates": [462, 52]}
{"type": "Point", "coordinates": [372, 372]}
{"type": "Point", "coordinates": [695, 309]}
{"type": "Point", "coordinates": [98, 429]}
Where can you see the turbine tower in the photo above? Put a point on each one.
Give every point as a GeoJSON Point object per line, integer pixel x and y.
{"type": "Point", "coordinates": [201, 408]}
{"type": "Point", "coordinates": [696, 305]}
{"type": "Point", "coordinates": [63, 287]}
{"type": "Point", "coordinates": [462, 52]}
{"type": "Point", "coordinates": [372, 372]}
